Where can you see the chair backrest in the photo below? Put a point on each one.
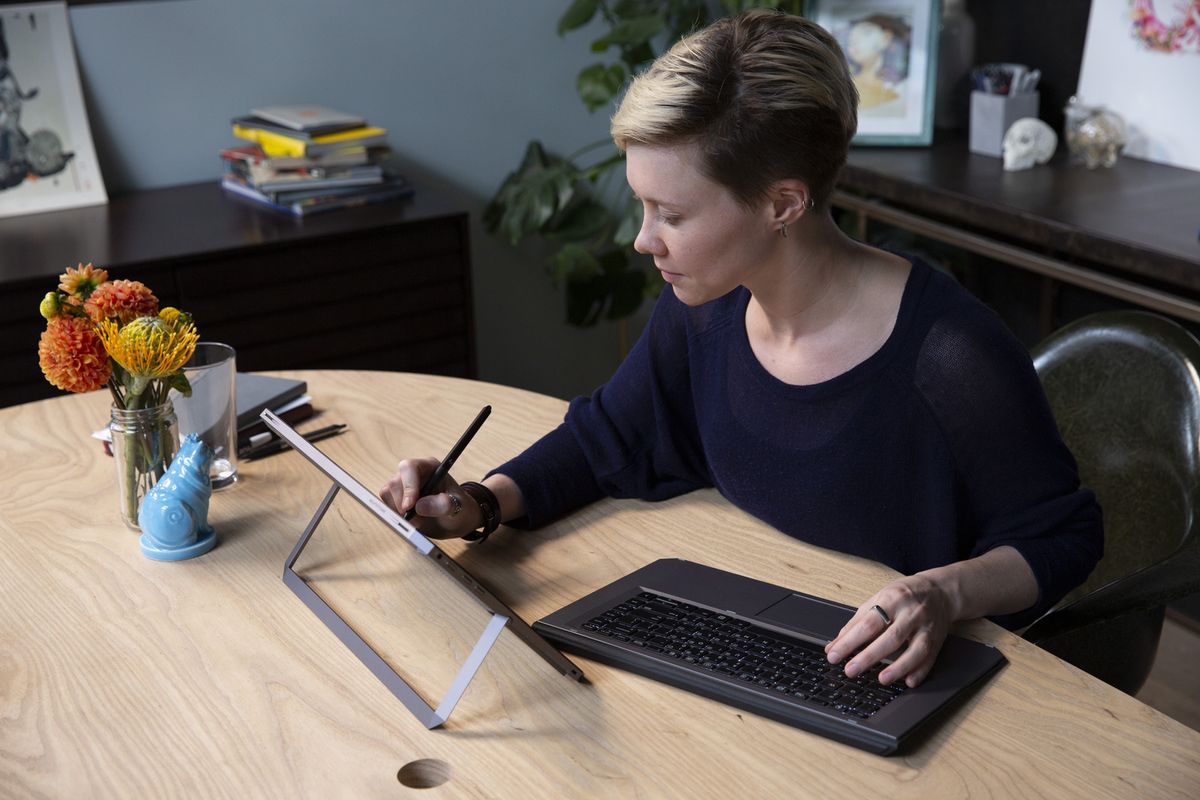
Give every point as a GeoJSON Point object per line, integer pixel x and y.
{"type": "Point", "coordinates": [1125, 390]}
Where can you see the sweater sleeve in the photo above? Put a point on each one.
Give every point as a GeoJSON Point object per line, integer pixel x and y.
{"type": "Point", "coordinates": [1019, 482]}
{"type": "Point", "coordinates": [635, 436]}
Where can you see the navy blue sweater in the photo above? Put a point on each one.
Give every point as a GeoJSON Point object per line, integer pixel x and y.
{"type": "Point", "coordinates": [937, 448]}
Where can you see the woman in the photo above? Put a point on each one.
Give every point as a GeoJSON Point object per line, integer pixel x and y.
{"type": "Point", "coordinates": [850, 397]}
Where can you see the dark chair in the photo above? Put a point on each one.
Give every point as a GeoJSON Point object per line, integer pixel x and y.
{"type": "Point", "coordinates": [1125, 390]}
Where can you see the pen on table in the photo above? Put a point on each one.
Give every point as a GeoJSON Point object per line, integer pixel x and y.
{"type": "Point", "coordinates": [279, 445]}
{"type": "Point", "coordinates": [448, 462]}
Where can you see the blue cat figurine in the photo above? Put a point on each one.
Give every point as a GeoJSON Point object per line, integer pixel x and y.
{"type": "Point", "coordinates": [174, 514]}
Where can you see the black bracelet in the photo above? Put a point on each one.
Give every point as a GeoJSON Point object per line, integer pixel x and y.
{"type": "Point", "coordinates": [488, 505]}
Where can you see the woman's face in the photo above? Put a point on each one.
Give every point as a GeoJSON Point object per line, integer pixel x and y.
{"type": "Point", "coordinates": [703, 241]}
{"type": "Point", "coordinates": [866, 41]}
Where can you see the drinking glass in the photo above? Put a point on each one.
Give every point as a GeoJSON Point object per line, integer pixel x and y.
{"type": "Point", "coordinates": [211, 411]}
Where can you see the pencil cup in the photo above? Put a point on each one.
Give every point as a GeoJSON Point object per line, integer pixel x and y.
{"type": "Point", "coordinates": [991, 117]}
{"type": "Point", "coordinates": [211, 411]}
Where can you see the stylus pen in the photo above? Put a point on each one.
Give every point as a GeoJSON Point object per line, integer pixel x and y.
{"type": "Point", "coordinates": [447, 464]}
{"type": "Point", "coordinates": [279, 445]}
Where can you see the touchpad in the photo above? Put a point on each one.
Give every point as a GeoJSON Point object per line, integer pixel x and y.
{"type": "Point", "coordinates": [818, 618]}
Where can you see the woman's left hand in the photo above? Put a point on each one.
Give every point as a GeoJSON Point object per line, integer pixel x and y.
{"type": "Point", "coordinates": [920, 610]}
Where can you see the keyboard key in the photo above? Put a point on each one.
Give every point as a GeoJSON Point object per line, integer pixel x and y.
{"type": "Point", "coordinates": [734, 648]}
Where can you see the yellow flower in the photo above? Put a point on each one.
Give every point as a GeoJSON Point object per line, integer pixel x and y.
{"type": "Point", "coordinates": [149, 347]}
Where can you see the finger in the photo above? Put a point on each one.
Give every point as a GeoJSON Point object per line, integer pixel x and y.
{"type": "Point", "coordinates": [392, 494]}
{"type": "Point", "coordinates": [388, 497]}
{"type": "Point", "coordinates": [883, 645]}
{"type": "Point", "coordinates": [915, 655]}
{"type": "Point", "coordinates": [916, 661]}
{"type": "Point", "coordinates": [838, 642]}
{"type": "Point", "coordinates": [918, 675]}
{"type": "Point", "coordinates": [410, 475]}
{"type": "Point", "coordinates": [859, 615]}
{"type": "Point", "coordinates": [437, 505]}
{"type": "Point", "coordinates": [864, 627]}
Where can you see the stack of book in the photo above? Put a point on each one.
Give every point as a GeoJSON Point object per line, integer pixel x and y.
{"type": "Point", "coordinates": [309, 159]}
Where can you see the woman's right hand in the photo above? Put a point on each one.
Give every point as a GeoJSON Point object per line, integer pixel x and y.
{"type": "Point", "coordinates": [438, 516]}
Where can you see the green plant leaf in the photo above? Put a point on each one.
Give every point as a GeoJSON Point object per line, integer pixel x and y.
{"type": "Point", "coordinates": [582, 221]}
{"type": "Point", "coordinates": [633, 31]}
{"type": "Point", "coordinates": [688, 16]}
{"type": "Point", "coordinates": [628, 9]}
{"type": "Point", "coordinates": [596, 170]}
{"type": "Point", "coordinates": [635, 55]}
{"type": "Point", "coordinates": [180, 383]}
{"type": "Point", "coordinates": [579, 14]}
{"type": "Point", "coordinates": [631, 223]}
{"type": "Point", "coordinates": [573, 262]}
{"type": "Point", "coordinates": [599, 84]}
{"type": "Point", "coordinates": [614, 292]}
{"type": "Point", "coordinates": [585, 302]}
{"type": "Point", "coordinates": [530, 197]}
{"type": "Point", "coordinates": [627, 291]}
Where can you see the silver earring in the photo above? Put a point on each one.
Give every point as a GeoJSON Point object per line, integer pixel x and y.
{"type": "Point", "coordinates": [811, 203]}
{"type": "Point", "coordinates": [783, 229]}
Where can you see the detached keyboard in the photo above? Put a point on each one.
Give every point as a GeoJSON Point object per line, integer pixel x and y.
{"type": "Point", "coordinates": [792, 668]}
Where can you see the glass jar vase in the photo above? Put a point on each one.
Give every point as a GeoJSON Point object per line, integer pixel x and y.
{"type": "Point", "coordinates": [144, 441]}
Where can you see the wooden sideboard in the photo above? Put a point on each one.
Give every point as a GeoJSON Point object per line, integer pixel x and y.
{"type": "Point", "coordinates": [386, 286]}
{"type": "Point", "coordinates": [1080, 240]}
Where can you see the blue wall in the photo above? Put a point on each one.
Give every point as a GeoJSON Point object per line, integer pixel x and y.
{"type": "Point", "coordinates": [462, 86]}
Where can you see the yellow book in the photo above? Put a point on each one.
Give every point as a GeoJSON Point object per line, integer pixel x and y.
{"type": "Point", "coordinates": [278, 144]}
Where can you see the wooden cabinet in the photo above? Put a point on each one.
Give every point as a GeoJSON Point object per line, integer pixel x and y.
{"type": "Point", "coordinates": [380, 287]}
{"type": "Point", "coordinates": [1080, 240]}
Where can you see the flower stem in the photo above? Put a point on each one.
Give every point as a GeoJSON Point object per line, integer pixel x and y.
{"type": "Point", "coordinates": [118, 401]}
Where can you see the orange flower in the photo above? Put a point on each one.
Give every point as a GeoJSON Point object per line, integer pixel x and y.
{"type": "Point", "coordinates": [72, 356]}
{"type": "Point", "coordinates": [81, 281]}
{"type": "Point", "coordinates": [121, 300]}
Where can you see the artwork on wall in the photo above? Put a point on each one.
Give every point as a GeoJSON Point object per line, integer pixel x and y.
{"type": "Point", "coordinates": [47, 159]}
{"type": "Point", "coordinates": [1167, 27]}
{"type": "Point", "coordinates": [1141, 59]}
{"type": "Point", "coordinates": [891, 47]}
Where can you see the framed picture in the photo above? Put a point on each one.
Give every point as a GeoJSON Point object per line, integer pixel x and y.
{"type": "Point", "coordinates": [47, 159]}
{"type": "Point", "coordinates": [1142, 60]}
{"type": "Point", "coordinates": [891, 46]}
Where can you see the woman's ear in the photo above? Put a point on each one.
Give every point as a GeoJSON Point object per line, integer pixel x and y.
{"type": "Point", "coordinates": [790, 200]}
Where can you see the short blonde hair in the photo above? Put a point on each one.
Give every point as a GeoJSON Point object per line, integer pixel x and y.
{"type": "Point", "coordinates": [765, 95]}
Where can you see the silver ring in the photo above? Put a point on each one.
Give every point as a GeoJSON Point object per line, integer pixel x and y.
{"type": "Point", "coordinates": [455, 505]}
{"type": "Point", "coordinates": [883, 615]}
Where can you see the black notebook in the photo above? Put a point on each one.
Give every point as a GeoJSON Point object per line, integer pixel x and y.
{"type": "Point", "coordinates": [257, 392]}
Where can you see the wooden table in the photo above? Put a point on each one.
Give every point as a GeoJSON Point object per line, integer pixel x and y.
{"type": "Point", "coordinates": [124, 677]}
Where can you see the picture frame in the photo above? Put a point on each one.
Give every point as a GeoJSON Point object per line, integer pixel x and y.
{"type": "Point", "coordinates": [891, 46]}
{"type": "Point", "coordinates": [47, 156]}
{"type": "Point", "coordinates": [1142, 60]}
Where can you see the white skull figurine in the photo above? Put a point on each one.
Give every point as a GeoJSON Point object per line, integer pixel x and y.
{"type": "Point", "coordinates": [1028, 141]}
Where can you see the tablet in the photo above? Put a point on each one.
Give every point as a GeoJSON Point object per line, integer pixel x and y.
{"type": "Point", "coordinates": [502, 616]}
